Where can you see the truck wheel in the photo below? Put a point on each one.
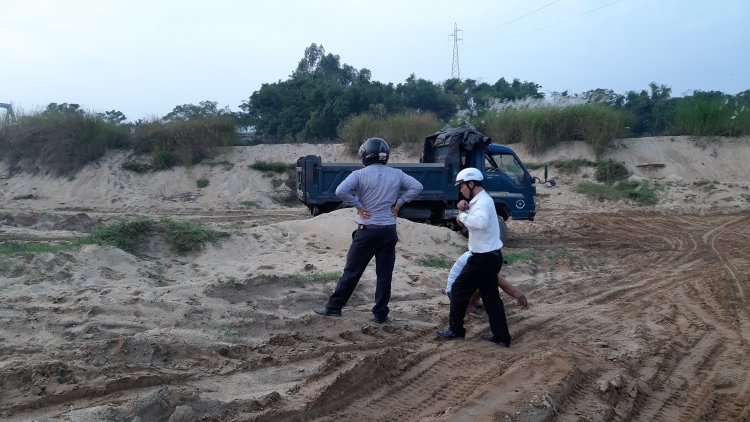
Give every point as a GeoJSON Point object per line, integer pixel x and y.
{"type": "Point", "coordinates": [503, 230]}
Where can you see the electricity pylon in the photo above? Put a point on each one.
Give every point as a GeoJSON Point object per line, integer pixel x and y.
{"type": "Point", "coordinates": [455, 70]}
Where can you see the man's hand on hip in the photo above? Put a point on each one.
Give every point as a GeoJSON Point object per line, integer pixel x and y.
{"type": "Point", "coordinates": [365, 214]}
{"type": "Point", "coordinates": [394, 209]}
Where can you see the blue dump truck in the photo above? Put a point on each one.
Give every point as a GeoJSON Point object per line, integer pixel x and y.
{"type": "Point", "coordinates": [444, 154]}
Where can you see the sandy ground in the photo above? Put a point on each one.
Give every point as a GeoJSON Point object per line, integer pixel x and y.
{"type": "Point", "coordinates": [636, 313]}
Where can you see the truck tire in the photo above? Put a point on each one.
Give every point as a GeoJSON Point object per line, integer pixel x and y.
{"type": "Point", "coordinates": [503, 230]}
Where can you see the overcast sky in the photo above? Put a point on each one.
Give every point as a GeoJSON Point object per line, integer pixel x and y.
{"type": "Point", "coordinates": [145, 57]}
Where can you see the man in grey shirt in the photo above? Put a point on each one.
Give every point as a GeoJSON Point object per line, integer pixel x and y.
{"type": "Point", "coordinates": [373, 191]}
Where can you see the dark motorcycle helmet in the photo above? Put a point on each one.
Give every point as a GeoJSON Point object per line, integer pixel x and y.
{"type": "Point", "coordinates": [374, 150]}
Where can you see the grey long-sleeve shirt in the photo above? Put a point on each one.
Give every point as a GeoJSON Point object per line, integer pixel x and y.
{"type": "Point", "coordinates": [376, 187]}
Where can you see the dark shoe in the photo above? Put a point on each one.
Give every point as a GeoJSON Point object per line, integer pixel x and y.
{"type": "Point", "coordinates": [492, 338]}
{"type": "Point", "coordinates": [326, 312]}
{"type": "Point", "coordinates": [381, 320]}
{"type": "Point", "coordinates": [448, 334]}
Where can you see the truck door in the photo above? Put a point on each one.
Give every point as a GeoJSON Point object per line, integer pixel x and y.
{"type": "Point", "coordinates": [508, 182]}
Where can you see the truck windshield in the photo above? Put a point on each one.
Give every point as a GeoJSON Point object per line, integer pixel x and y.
{"type": "Point", "coordinates": [506, 164]}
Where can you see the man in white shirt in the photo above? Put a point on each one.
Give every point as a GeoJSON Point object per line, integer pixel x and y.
{"type": "Point", "coordinates": [481, 270]}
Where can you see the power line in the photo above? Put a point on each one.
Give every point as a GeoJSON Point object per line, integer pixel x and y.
{"type": "Point", "coordinates": [508, 23]}
{"type": "Point", "coordinates": [549, 26]}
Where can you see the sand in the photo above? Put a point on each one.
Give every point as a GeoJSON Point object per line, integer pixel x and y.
{"type": "Point", "coordinates": [636, 312]}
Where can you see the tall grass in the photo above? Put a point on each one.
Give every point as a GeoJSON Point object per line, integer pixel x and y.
{"type": "Point", "coordinates": [183, 142]}
{"type": "Point", "coordinates": [711, 115]}
{"type": "Point", "coordinates": [62, 141]}
{"type": "Point", "coordinates": [406, 129]}
{"type": "Point", "coordinates": [541, 128]}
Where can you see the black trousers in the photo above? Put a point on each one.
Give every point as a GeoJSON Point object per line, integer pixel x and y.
{"type": "Point", "coordinates": [480, 272]}
{"type": "Point", "coordinates": [366, 244]}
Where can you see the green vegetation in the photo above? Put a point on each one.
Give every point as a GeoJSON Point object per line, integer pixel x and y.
{"type": "Point", "coordinates": [3, 287]}
{"type": "Point", "coordinates": [510, 257]}
{"type": "Point", "coordinates": [137, 167]}
{"type": "Point", "coordinates": [11, 248]}
{"type": "Point", "coordinates": [406, 129]}
{"type": "Point", "coordinates": [186, 236]}
{"type": "Point", "coordinates": [611, 171]}
{"type": "Point", "coordinates": [273, 166]}
{"type": "Point", "coordinates": [253, 204]}
{"type": "Point", "coordinates": [183, 141]}
{"type": "Point", "coordinates": [325, 99]}
{"type": "Point", "coordinates": [435, 261]}
{"type": "Point", "coordinates": [545, 126]}
{"type": "Point", "coordinates": [159, 273]}
{"type": "Point", "coordinates": [643, 193]}
{"type": "Point", "coordinates": [230, 330]}
{"type": "Point", "coordinates": [126, 235]}
{"type": "Point", "coordinates": [62, 137]}
{"type": "Point", "coordinates": [130, 236]}
{"type": "Point", "coordinates": [322, 92]}
{"type": "Point", "coordinates": [331, 275]}
{"type": "Point", "coordinates": [202, 182]}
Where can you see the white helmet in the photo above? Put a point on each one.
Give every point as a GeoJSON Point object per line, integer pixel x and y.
{"type": "Point", "coordinates": [467, 175]}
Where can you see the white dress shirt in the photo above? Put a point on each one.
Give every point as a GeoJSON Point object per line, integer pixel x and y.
{"type": "Point", "coordinates": [481, 220]}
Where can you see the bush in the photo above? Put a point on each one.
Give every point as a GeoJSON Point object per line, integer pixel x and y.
{"type": "Point", "coordinates": [186, 236]}
{"type": "Point", "coordinates": [273, 166]}
{"type": "Point", "coordinates": [137, 167]}
{"type": "Point", "coordinates": [126, 235]}
{"type": "Point", "coordinates": [202, 182]}
{"type": "Point", "coordinates": [610, 171]}
{"type": "Point", "coordinates": [406, 129]}
{"type": "Point", "coordinates": [641, 192]}
{"type": "Point", "coordinates": [183, 142]}
{"type": "Point", "coordinates": [62, 138]}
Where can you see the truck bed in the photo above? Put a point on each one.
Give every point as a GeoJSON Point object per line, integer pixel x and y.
{"type": "Point", "coordinates": [318, 181]}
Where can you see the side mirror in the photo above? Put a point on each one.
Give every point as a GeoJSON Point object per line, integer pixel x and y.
{"type": "Point", "coordinates": [552, 182]}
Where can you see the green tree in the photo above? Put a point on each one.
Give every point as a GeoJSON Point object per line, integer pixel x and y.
{"type": "Point", "coordinates": [203, 109]}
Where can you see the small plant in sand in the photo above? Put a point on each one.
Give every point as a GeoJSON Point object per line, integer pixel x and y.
{"type": "Point", "coordinates": [611, 171]}
{"type": "Point", "coordinates": [202, 182]}
{"type": "Point", "coordinates": [314, 276]}
{"type": "Point", "coordinates": [137, 167]}
{"type": "Point", "coordinates": [3, 287]}
{"type": "Point", "coordinates": [130, 236]}
{"type": "Point", "coordinates": [193, 265]}
{"type": "Point", "coordinates": [24, 248]}
{"type": "Point", "coordinates": [272, 166]}
{"type": "Point", "coordinates": [435, 261]}
{"type": "Point", "coordinates": [160, 272]}
{"type": "Point", "coordinates": [253, 204]}
{"type": "Point", "coordinates": [643, 193]}
{"type": "Point", "coordinates": [230, 330]}
{"type": "Point", "coordinates": [557, 254]}
{"type": "Point", "coordinates": [510, 257]}
{"type": "Point", "coordinates": [186, 236]}
{"type": "Point", "coordinates": [570, 166]}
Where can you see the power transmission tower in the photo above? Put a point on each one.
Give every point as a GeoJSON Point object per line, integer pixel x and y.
{"type": "Point", "coordinates": [455, 71]}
